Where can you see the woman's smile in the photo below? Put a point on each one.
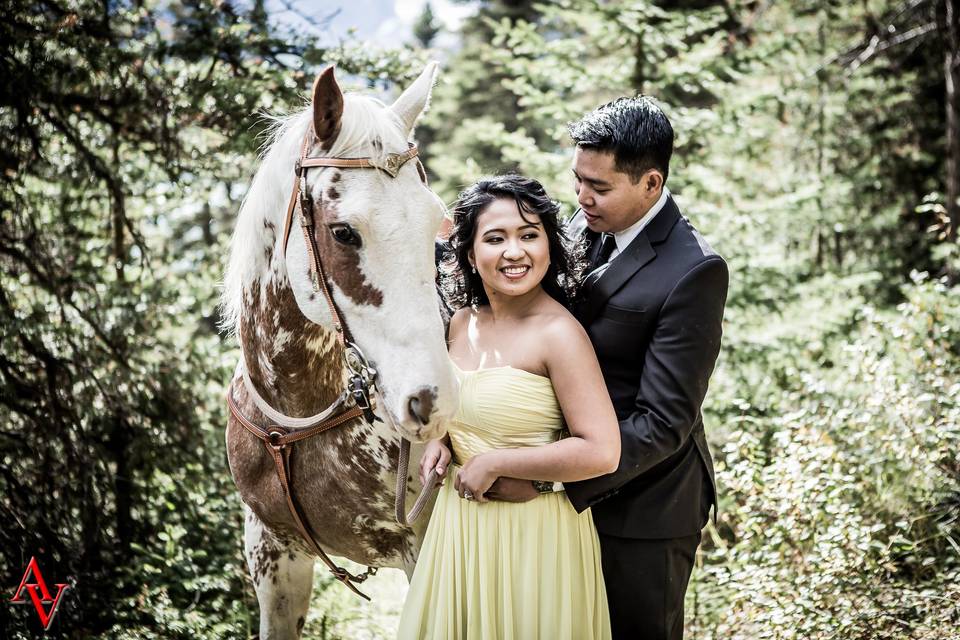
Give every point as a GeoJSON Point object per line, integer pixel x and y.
{"type": "Point", "coordinates": [515, 272]}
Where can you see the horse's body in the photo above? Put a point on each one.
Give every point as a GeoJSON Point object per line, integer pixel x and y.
{"type": "Point", "coordinates": [383, 285]}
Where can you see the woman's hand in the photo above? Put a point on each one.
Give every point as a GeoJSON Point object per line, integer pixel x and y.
{"type": "Point", "coordinates": [476, 476]}
{"type": "Point", "coordinates": [436, 457]}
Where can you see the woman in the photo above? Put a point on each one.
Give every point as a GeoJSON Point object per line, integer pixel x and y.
{"type": "Point", "coordinates": [491, 569]}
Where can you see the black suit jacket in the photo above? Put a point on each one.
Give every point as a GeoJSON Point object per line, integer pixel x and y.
{"type": "Point", "coordinates": [654, 317]}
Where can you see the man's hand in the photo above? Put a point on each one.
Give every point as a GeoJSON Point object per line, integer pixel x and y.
{"type": "Point", "coordinates": [435, 457]}
{"type": "Point", "coordinates": [512, 490]}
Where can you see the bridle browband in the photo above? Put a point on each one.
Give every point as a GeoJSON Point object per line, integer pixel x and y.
{"type": "Point", "coordinates": [362, 393]}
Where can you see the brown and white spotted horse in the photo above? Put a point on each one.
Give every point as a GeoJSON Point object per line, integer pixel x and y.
{"type": "Point", "coordinates": [373, 234]}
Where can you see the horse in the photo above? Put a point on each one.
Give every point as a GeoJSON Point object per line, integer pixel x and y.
{"type": "Point", "coordinates": [370, 234]}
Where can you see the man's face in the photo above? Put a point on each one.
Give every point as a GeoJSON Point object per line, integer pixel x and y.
{"type": "Point", "coordinates": [610, 201]}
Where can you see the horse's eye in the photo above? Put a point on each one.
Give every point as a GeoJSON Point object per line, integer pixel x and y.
{"type": "Point", "coordinates": [344, 234]}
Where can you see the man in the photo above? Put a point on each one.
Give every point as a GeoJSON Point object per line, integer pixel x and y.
{"type": "Point", "coordinates": [652, 304]}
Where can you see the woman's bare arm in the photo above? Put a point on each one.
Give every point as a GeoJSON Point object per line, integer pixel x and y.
{"type": "Point", "coordinates": [593, 448]}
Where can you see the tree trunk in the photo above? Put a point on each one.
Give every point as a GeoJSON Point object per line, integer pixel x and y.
{"type": "Point", "coordinates": [119, 444]}
{"type": "Point", "coordinates": [119, 214]}
{"type": "Point", "coordinates": [822, 174]}
{"type": "Point", "coordinates": [206, 224]}
{"type": "Point", "coordinates": [950, 31]}
{"type": "Point", "coordinates": [838, 248]}
{"type": "Point", "coordinates": [639, 75]}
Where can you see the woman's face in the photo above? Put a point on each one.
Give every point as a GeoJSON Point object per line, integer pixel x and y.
{"type": "Point", "coordinates": [510, 254]}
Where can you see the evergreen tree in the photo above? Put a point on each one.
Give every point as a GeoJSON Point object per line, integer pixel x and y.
{"type": "Point", "coordinates": [425, 29]}
{"type": "Point", "coordinates": [474, 87]}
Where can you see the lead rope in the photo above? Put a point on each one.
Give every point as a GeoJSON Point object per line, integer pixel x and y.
{"type": "Point", "coordinates": [426, 491]}
{"type": "Point", "coordinates": [404, 518]}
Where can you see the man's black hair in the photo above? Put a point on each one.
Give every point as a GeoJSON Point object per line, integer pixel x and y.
{"type": "Point", "coordinates": [635, 130]}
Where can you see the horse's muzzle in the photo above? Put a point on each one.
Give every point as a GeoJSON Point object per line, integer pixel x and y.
{"type": "Point", "coordinates": [420, 405]}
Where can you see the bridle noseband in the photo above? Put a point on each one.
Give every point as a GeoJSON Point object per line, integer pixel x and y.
{"type": "Point", "coordinates": [362, 392]}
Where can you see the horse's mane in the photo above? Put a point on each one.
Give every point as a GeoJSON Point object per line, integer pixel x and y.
{"type": "Point", "coordinates": [365, 119]}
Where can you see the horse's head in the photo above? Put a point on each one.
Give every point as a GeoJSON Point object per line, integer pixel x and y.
{"type": "Point", "coordinates": [374, 232]}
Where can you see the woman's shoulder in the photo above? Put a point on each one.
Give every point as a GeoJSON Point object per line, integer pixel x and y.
{"type": "Point", "coordinates": [460, 315]}
{"type": "Point", "coordinates": [565, 344]}
{"type": "Point", "coordinates": [461, 318]}
{"type": "Point", "coordinates": [557, 323]}
{"type": "Point", "coordinates": [463, 315]}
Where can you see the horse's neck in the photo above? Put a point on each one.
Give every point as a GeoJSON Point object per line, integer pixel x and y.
{"type": "Point", "coordinates": [294, 363]}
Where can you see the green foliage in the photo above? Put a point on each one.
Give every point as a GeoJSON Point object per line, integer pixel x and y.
{"type": "Point", "coordinates": [841, 508]}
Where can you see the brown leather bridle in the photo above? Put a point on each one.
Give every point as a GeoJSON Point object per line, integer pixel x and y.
{"type": "Point", "coordinates": [390, 165]}
{"type": "Point", "coordinates": [279, 439]}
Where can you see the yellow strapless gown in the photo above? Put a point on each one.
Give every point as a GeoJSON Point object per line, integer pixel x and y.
{"type": "Point", "coordinates": [499, 570]}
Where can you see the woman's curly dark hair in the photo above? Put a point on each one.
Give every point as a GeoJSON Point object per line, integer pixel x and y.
{"type": "Point", "coordinates": [464, 288]}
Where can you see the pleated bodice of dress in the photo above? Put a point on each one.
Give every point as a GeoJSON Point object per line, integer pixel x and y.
{"type": "Point", "coordinates": [503, 408]}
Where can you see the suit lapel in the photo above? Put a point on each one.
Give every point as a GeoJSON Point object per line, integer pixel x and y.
{"type": "Point", "coordinates": [615, 274]}
{"type": "Point", "coordinates": [624, 266]}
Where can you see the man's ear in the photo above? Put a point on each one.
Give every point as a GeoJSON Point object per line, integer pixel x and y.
{"type": "Point", "coordinates": [652, 180]}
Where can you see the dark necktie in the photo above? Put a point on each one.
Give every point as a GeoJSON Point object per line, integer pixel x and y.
{"type": "Point", "coordinates": [607, 245]}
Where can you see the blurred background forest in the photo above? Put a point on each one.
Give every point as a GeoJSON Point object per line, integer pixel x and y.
{"type": "Point", "coordinates": [818, 149]}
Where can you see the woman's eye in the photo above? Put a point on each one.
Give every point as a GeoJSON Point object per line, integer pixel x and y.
{"type": "Point", "coordinates": [344, 234]}
{"type": "Point", "coordinates": [493, 240]}
{"type": "Point", "coordinates": [530, 236]}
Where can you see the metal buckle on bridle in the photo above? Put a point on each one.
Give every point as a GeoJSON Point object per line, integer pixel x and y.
{"type": "Point", "coordinates": [363, 378]}
{"type": "Point", "coordinates": [306, 202]}
{"type": "Point", "coordinates": [392, 163]}
{"type": "Point", "coordinates": [361, 395]}
{"type": "Point", "coordinates": [274, 435]}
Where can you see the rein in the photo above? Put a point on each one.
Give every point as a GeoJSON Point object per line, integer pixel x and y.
{"type": "Point", "coordinates": [362, 394]}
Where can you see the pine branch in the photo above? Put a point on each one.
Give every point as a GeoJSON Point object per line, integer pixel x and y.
{"type": "Point", "coordinates": [867, 47]}
{"type": "Point", "coordinates": [876, 46]}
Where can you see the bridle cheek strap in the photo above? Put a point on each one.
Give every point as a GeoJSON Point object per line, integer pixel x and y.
{"type": "Point", "coordinates": [391, 165]}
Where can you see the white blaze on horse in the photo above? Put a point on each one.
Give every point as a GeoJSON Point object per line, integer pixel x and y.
{"type": "Point", "coordinates": [357, 268]}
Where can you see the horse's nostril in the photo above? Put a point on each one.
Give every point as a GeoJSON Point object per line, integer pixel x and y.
{"type": "Point", "coordinates": [421, 404]}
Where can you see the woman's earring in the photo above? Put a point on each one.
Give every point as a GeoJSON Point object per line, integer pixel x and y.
{"type": "Point", "coordinates": [474, 269]}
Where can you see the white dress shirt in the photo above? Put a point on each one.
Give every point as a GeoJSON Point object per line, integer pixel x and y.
{"type": "Point", "coordinates": [625, 237]}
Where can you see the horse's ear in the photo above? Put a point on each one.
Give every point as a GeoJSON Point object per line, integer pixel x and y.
{"type": "Point", "coordinates": [412, 101]}
{"type": "Point", "coordinates": [327, 107]}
